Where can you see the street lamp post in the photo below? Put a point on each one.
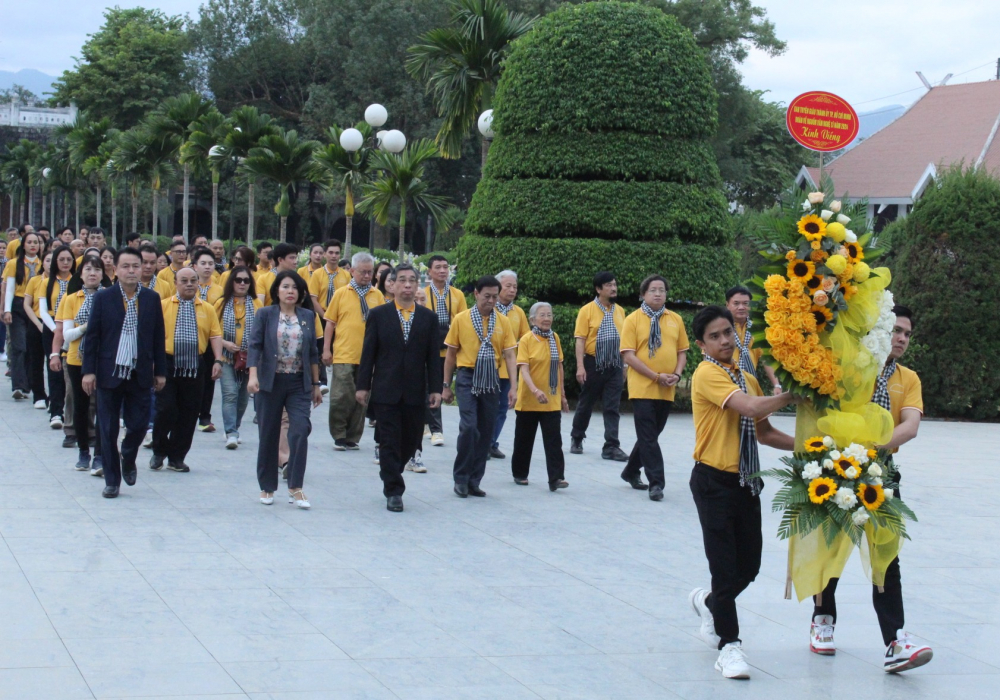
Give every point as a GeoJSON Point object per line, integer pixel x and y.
{"type": "Point", "coordinates": [486, 129]}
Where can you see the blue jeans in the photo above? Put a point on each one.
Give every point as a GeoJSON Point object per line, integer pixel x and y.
{"type": "Point", "coordinates": [477, 417]}
{"type": "Point", "coordinates": [501, 411]}
{"type": "Point", "coordinates": [234, 400]}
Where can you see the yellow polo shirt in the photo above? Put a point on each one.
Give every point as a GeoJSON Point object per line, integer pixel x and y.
{"type": "Point", "coordinates": [588, 320]}
{"type": "Point", "coordinates": [54, 300]}
{"type": "Point", "coordinates": [345, 311]}
{"type": "Point", "coordinates": [905, 391]}
{"type": "Point", "coordinates": [164, 288]}
{"type": "Point", "coordinates": [239, 310]}
{"type": "Point", "coordinates": [534, 353]}
{"type": "Point", "coordinates": [36, 290]}
{"type": "Point", "coordinates": [519, 325]}
{"type": "Point", "coordinates": [306, 272]}
{"type": "Point", "coordinates": [208, 322]}
{"type": "Point", "coordinates": [319, 284]}
{"type": "Point", "coordinates": [10, 272]}
{"type": "Point", "coordinates": [264, 282]}
{"type": "Point", "coordinates": [69, 307]}
{"type": "Point", "coordinates": [463, 336]}
{"type": "Point", "coordinates": [214, 293]}
{"type": "Point", "coordinates": [755, 353]}
{"type": "Point", "coordinates": [12, 248]}
{"type": "Point", "coordinates": [455, 302]}
{"type": "Point", "coordinates": [717, 428]}
{"type": "Point", "coordinates": [169, 273]}
{"type": "Point", "coordinates": [635, 336]}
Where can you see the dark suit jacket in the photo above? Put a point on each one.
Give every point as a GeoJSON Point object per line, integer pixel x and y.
{"type": "Point", "coordinates": [105, 327]}
{"type": "Point", "coordinates": [398, 372]}
{"type": "Point", "coordinates": [262, 351]}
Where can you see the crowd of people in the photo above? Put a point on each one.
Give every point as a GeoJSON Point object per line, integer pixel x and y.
{"type": "Point", "coordinates": [103, 339]}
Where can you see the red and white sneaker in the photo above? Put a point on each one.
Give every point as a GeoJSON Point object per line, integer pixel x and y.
{"type": "Point", "coordinates": [821, 636]}
{"type": "Point", "coordinates": [903, 654]}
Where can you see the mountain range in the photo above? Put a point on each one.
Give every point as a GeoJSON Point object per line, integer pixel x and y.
{"type": "Point", "coordinates": [36, 81]}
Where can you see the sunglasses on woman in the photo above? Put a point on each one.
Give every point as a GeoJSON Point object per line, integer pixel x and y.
{"type": "Point", "coordinates": [242, 280]}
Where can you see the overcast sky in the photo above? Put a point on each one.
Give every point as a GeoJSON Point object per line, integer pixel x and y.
{"type": "Point", "coordinates": [863, 50]}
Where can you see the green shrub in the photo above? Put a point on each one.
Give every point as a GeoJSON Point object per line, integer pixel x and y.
{"type": "Point", "coordinates": [162, 242]}
{"type": "Point", "coordinates": [944, 272]}
{"type": "Point", "coordinates": [562, 270]}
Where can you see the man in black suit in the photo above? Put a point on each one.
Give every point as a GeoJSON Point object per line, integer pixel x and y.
{"type": "Point", "coordinates": [125, 357]}
{"type": "Point", "coordinates": [399, 368]}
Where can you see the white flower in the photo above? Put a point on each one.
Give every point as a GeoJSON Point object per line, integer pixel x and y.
{"type": "Point", "coordinates": [860, 517]}
{"type": "Point", "coordinates": [850, 237]}
{"type": "Point", "coordinates": [851, 472]}
{"type": "Point", "coordinates": [811, 471]}
{"type": "Point", "coordinates": [815, 197]}
{"type": "Point", "coordinates": [889, 494]}
{"type": "Point", "coordinates": [876, 481]}
{"type": "Point", "coordinates": [874, 470]}
{"type": "Point", "coordinates": [841, 219]}
{"type": "Point", "coordinates": [859, 452]}
{"type": "Point", "coordinates": [845, 498]}
{"type": "Point", "coordinates": [806, 206]}
{"type": "Point", "coordinates": [828, 442]}
{"type": "Point", "coordinates": [835, 208]}
{"type": "Point", "coordinates": [828, 464]}
{"type": "Point", "coordinates": [835, 455]}
{"type": "Point", "coordinates": [825, 214]}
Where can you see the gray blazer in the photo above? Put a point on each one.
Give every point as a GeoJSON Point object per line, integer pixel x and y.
{"type": "Point", "coordinates": [262, 351]}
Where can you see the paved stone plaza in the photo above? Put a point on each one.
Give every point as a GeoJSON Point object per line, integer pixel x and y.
{"type": "Point", "coordinates": [187, 587]}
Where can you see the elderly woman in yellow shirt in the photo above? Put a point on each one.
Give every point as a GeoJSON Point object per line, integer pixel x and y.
{"type": "Point", "coordinates": [540, 398]}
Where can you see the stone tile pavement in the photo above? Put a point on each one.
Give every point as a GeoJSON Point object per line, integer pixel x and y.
{"type": "Point", "coordinates": [187, 587]}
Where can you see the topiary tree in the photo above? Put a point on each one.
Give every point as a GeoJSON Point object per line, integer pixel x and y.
{"type": "Point", "coordinates": [943, 275]}
{"type": "Point", "coordinates": [602, 159]}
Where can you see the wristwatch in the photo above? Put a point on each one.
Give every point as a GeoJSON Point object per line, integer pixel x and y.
{"type": "Point", "coordinates": [317, 383]}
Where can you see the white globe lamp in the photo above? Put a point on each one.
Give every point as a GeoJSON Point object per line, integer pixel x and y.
{"type": "Point", "coordinates": [376, 115]}
{"type": "Point", "coordinates": [47, 173]}
{"type": "Point", "coordinates": [215, 151]}
{"type": "Point", "coordinates": [393, 141]}
{"type": "Point", "coordinates": [351, 140]}
{"type": "Point", "coordinates": [486, 124]}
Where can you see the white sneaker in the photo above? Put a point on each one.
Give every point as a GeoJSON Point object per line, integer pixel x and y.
{"type": "Point", "coordinates": [416, 464]}
{"type": "Point", "coordinates": [732, 662]}
{"type": "Point", "coordinates": [266, 497]}
{"type": "Point", "coordinates": [231, 442]}
{"type": "Point", "coordinates": [148, 440]}
{"type": "Point", "coordinates": [427, 432]}
{"type": "Point", "coordinates": [40, 404]}
{"type": "Point", "coordinates": [821, 636]}
{"type": "Point", "coordinates": [437, 439]}
{"type": "Point", "coordinates": [707, 628]}
{"type": "Point", "coordinates": [56, 422]}
{"type": "Point", "coordinates": [903, 654]}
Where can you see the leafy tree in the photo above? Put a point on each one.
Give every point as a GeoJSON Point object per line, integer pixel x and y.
{"type": "Point", "coordinates": [286, 160]}
{"type": "Point", "coordinates": [144, 153]}
{"type": "Point", "coordinates": [87, 150]}
{"type": "Point", "coordinates": [249, 126]}
{"type": "Point", "coordinates": [16, 94]}
{"type": "Point", "coordinates": [207, 133]}
{"type": "Point", "coordinates": [461, 63]}
{"type": "Point", "coordinates": [339, 169]}
{"type": "Point", "coordinates": [128, 67]}
{"type": "Point", "coordinates": [17, 170]}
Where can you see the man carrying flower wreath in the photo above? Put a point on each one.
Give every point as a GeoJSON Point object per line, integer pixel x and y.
{"type": "Point", "coordinates": [730, 418]}
{"type": "Point", "coordinates": [898, 390]}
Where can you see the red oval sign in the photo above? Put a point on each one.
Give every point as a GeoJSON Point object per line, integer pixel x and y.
{"type": "Point", "coordinates": [821, 121]}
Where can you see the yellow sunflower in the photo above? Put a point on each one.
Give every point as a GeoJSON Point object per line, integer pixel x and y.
{"type": "Point", "coordinates": [812, 227]}
{"type": "Point", "coordinates": [815, 444]}
{"type": "Point", "coordinates": [843, 464]}
{"type": "Point", "coordinates": [872, 454]}
{"type": "Point", "coordinates": [814, 283]}
{"type": "Point", "coordinates": [822, 315]}
{"type": "Point", "coordinates": [822, 489]}
{"type": "Point", "coordinates": [872, 496]}
{"type": "Point", "coordinates": [854, 252]}
{"type": "Point", "coordinates": [801, 270]}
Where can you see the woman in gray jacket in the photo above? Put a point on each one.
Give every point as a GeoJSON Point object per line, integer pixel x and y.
{"type": "Point", "coordinates": [284, 368]}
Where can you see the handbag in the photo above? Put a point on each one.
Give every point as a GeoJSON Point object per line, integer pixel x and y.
{"type": "Point", "coordinates": [240, 361]}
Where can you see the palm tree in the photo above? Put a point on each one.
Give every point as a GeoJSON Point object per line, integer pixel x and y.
{"type": "Point", "coordinates": [249, 127]}
{"type": "Point", "coordinates": [202, 144]}
{"type": "Point", "coordinates": [286, 160]}
{"type": "Point", "coordinates": [401, 180]}
{"type": "Point", "coordinates": [175, 121]}
{"type": "Point", "coordinates": [18, 165]}
{"type": "Point", "coordinates": [339, 168]}
{"type": "Point", "coordinates": [85, 138]}
{"type": "Point", "coordinates": [145, 151]}
{"type": "Point", "coordinates": [461, 63]}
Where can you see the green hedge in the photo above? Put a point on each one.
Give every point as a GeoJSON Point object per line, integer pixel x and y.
{"type": "Point", "coordinates": [606, 66]}
{"type": "Point", "coordinates": [562, 270]}
{"type": "Point", "coordinates": [603, 155]}
{"type": "Point", "coordinates": [601, 208]}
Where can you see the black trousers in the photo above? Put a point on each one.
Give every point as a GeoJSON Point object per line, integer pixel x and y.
{"type": "Point", "coordinates": [287, 394]}
{"type": "Point", "coordinates": [130, 401]}
{"type": "Point", "coordinates": [731, 529]}
{"type": "Point", "coordinates": [525, 427]}
{"type": "Point", "coordinates": [432, 416]}
{"type": "Point", "coordinates": [208, 393]}
{"type": "Point", "coordinates": [401, 428]}
{"type": "Point", "coordinates": [477, 416]}
{"type": "Point", "coordinates": [81, 412]}
{"type": "Point", "coordinates": [888, 603]}
{"type": "Point", "coordinates": [606, 386]}
{"type": "Point", "coordinates": [57, 383]}
{"type": "Point", "coordinates": [650, 417]}
{"type": "Point", "coordinates": [36, 358]}
{"type": "Point", "coordinates": [177, 407]}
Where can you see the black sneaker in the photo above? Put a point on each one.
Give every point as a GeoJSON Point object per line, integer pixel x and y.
{"type": "Point", "coordinates": [340, 444]}
{"type": "Point", "coordinates": [576, 446]}
{"type": "Point", "coordinates": [496, 453]}
{"type": "Point", "coordinates": [156, 462]}
{"type": "Point", "coordinates": [655, 493]}
{"type": "Point", "coordinates": [615, 454]}
{"type": "Point", "coordinates": [69, 441]}
{"type": "Point", "coordinates": [178, 467]}
{"type": "Point", "coordinates": [351, 445]}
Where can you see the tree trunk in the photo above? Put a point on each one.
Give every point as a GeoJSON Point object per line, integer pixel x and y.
{"type": "Point", "coordinates": [135, 209]}
{"type": "Point", "coordinates": [184, 216]}
{"type": "Point", "coordinates": [43, 207]}
{"type": "Point", "coordinates": [98, 194]}
{"type": "Point", "coordinates": [52, 209]}
{"type": "Point", "coordinates": [65, 211]}
{"type": "Point", "coordinates": [250, 208]}
{"type": "Point", "coordinates": [232, 214]}
{"type": "Point", "coordinates": [402, 231]}
{"type": "Point", "coordinates": [156, 211]}
{"type": "Point", "coordinates": [114, 219]}
{"type": "Point", "coordinates": [347, 237]}
{"type": "Point", "coordinates": [76, 208]}
{"type": "Point", "coordinates": [428, 234]}
{"type": "Point", "coordinates": [215, 208]}
{"type": "Point", "coordinates": [31, 206]}
{"type": "Point", "coordinates": [281, 229]}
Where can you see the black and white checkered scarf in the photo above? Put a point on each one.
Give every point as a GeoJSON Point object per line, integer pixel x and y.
{"type": "Point", "coordinates": [152, 284]}
{"type": "Point", "coordinates": [749, 457]}
{"type": "Point", "coordinates": [608, 350]}
{"type": "Point", "coordinates": [405, 323]}
{"type": "Point", "coordinates": [128, 341]}
{"type": "Point", "coordinates": [203, 291]}
{"type": "Point", "coordinates": [229, 324]}
{"type": "Point", "coordinates": [881, 394]}
{"type": "Point", "coordinates": [505, 308]}
{"type": "Point", "coordinates": [186, 358]}
{"type": "Point", "coordinates": [655, 337]}
{"type": "Point", "coordinates": [441, 304]}
{"type": "Point", "coordinates": [362, 293]}
{"type": "Point", "coordinates": [553, 357]}
{"type": "Point", "coordinates": [82, 317]}
{"type": "Point", "coordinates": [62, 292]}
{"type": "Point", "coordinates": [485, 377]}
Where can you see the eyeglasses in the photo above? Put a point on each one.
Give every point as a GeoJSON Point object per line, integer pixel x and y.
{"type": "Point", "coordinates": [241, 280]}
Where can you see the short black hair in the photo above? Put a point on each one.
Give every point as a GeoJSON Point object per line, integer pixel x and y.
{"type": "Point", "coordinates": [43, 228]}
{"type": "Point", "coordinates": [316, 245]}
{"type": "Point", "coordinates": [436, 258]}
{"type": "Point", "coordinates": [644, 287]}
{"type": "Point", "coordinates": [487, 281]}
{"type": "Point", "coordinates": [97, 230]}
{"type": "Point", "coordinates": [129, 237]}
{"type": "Point", "coordinates": [147, 247]}
{"type": "Point", "coordinates": [263, 244]}
{"type": "Point", "coordinates": [126, 251]}
{"type": "Point", "coordinates": [344, 263]}
{"type": "Point", "coordinates": [333, 242]}
{"type": "Point", "coordinates": [176, 242]}
{"type": "Point", "coordinates": [706, 316]}
{"type": "Point", "coordinates": [405, 267]}
{"type": "Point", "coordinates": [283, 250]}
{"type": "Point", "coordinates": [200, 251]}
{"type": "Point", "coordinates": [300, 285]}
{"type": "Point", "coordinates": [602, 278]}
{"type": "Point", "coordinates": [738, 289]}
{"type": "Point", "coordinates": [904, 312]}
